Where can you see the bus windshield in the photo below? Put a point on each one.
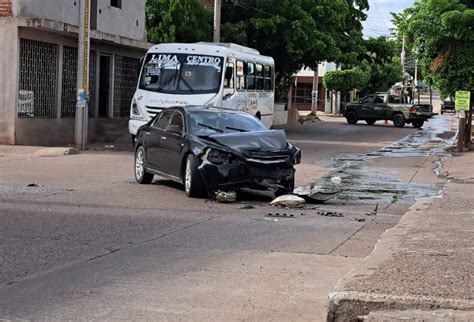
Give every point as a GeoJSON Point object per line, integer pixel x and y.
{"type": "Point", "coordinates": [181, 73]}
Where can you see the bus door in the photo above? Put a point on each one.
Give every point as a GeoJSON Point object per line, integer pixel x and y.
{"type": "Point", "coordinates": [228, 94]}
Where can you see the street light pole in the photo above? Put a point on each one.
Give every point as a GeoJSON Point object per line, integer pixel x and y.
{"type": "Point", "coordinates": [217, 20]}
{"type": "Point", "coordinates": [82, 111]}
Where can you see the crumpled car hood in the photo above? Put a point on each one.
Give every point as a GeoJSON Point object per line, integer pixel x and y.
{"type": "Point", "coordinates": [253, 142]}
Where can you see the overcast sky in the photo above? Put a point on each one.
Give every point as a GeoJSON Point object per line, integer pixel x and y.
{"type": "Point", "coordinates": [378, 20]}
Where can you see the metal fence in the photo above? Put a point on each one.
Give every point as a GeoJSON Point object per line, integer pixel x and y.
{"type": "Point", "coordinates": [69, 83]}
{"type": "Point", "coordinates": [125, 84]}
{"type": "Point", "coordinates": [38, 79]}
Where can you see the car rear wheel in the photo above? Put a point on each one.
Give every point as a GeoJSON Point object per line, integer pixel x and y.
{"type": "Point", "coordinates": [399, 120]}
{"type": "Point", "coordinates": [351, 117]}
{"type": "Point", "coordinates": [418, 123]}
{"type": "Point", "coordinates": [193, 183]}
{"type": "Point", "coordinates": [370, 122]}
{"type": "Point", "coordinates": [141, 175]}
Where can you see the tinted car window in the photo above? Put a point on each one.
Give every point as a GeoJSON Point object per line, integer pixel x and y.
{"type": "Point", "coordinates": [163, 120]}
{"type": "Point", "coordinates": [177, 120]}
{"type": "Point", "coordinates": [209, 123]}
{"type": "Point", "coordinates": [368, 99]}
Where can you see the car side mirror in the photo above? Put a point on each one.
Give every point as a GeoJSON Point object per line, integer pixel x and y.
{"type": "Point", "coordinates": [176, 129]}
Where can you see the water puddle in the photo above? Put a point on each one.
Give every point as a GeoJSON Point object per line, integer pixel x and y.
{"type": "Point", "coordinates": [361, 184]}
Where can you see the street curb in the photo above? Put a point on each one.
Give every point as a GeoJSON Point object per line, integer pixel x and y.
{"type": "Point", "coordinates": [350, 306]}
{"type": "Point", "coordinates": [56, 152]}
{"type": "Point", "coordinates": [345, 304]}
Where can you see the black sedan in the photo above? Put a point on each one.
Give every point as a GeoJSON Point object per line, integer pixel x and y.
{"type": "Point", "coordinates": [210, 149]}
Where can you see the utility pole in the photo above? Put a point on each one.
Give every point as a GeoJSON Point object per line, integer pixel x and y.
{"type": "Point", "coordinates": [403, 56]}
{"type": "Point", "coordinates": [314, 94]}
{"type": "Point", "coordinates": [217, 20]}
{"type": "Point", "coordinates": [82, 110]}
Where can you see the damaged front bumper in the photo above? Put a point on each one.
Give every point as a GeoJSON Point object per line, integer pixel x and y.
{"type": "Point", "coordinates": [244, 174]}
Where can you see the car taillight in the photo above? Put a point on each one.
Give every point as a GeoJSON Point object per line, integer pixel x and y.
{"type": "Point", "coordinates": [414, 109]}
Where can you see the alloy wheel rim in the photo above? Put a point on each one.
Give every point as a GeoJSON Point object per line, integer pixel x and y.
{"type": "Point", "coordinates": [187, 176]}
{"type": "Point", "coordinates": [139, 164]}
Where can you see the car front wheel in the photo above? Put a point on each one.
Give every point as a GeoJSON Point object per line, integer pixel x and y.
{"type": "Point", "coordinates": [193, 183]}
{"type": "Point", "coordinates": [141, 175]}
{"type": "Point", "coordinates": [351, 117]}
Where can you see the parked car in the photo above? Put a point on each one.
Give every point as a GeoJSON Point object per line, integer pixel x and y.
{"type": "Point", "coordinates": [447, 107]}
{"type": "Point", "coordinates": [210, 149]}
{"type": "Point", "coordinates": [382, 106]}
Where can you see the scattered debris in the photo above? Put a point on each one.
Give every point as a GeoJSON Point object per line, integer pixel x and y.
{"type": "Point", "coordinates": [267, 219]}
{"type": "Point", "coordinates": [336, 180]}
{"type": "Point", "coordinates": [374, 212]}
{"type": "Point", "coordinates": [33, 185]}
{"type": "Point", "coordinates": [287, 200]}
{"type": "Point", "coordinates": [226, 196]}
{"type": "Point", "coordinates": [330, 214]}
{"type": "Point", "coordinates": [319, 197]}
{"type": "Point", "coordinates": [360, 219]}
{"type": "Point", "coordinates": [246, 207]}
{"type": "Point", "coordinates": [281, 216]}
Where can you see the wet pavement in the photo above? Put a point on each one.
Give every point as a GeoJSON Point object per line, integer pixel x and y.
{"type": "Point", "coordinates": [360, 183]}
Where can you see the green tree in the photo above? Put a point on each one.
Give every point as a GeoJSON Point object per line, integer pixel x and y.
{"type": "Point", "coordinates": [296, 33]}
{"type": "Point", "coordinates": [441, 32]}
{"type": "Point", "coordinates": [177, 21]}
{"type": "Point", "coordinates": [346, 80]}
{"type": "Point", "coordinates": [382, 63]}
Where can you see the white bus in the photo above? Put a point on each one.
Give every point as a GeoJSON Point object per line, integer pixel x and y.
{"type": "Point", "coordinates": [220, 75]}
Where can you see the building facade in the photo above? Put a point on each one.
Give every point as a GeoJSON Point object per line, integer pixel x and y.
{"type": "Point", "coordinates": [302, 88]}
{"type": "Point", "coordinates": [38, 68]}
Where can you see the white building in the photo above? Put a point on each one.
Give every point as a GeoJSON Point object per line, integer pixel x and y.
{"type": "Point", "coordinates": [38, 67]}
{"type": "Point", "coordinates": [302, 88]}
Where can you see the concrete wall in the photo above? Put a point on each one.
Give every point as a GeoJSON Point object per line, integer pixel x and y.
{"type": "Point", "coordinates": [129, 21]}
{"type": "Point", "coordinates": [9, 53]}
{"type": "Point", "coordinates": [126, 22]}
{"type": "Point", "coordinates": [60, 10]}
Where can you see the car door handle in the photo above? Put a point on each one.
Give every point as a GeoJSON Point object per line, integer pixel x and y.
{"type": "Point", "coordinates": [163, 137]}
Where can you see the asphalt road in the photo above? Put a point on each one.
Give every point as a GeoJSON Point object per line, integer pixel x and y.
{"type": "Point", "coordinates": [87, 242]}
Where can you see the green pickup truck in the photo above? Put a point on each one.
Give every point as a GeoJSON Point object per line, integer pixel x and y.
{"type": "Point", "coordinates": [382, 106]}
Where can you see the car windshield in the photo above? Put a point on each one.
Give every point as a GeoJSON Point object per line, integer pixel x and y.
{"type": "Point", "coordinates": [205, 123]}
{"type": "Point", "coordinates": [181, 73]}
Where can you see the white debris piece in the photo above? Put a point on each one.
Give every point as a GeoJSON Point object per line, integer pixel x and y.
{"type": "Point", "coordinates": [287, 200]}
{"type": "Point", "coordinates": [336, 180]}
{"type": "Point", "coordinates": [226, 196]}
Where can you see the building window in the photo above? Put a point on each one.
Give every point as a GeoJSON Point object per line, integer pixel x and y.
{"type": "Point", "coordinates": [302, 93]}
{"type": "Point", "coordinates": [116, 3]}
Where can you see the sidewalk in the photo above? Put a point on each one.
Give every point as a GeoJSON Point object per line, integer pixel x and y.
{"type": "Point", "coordinates": [423, 268]}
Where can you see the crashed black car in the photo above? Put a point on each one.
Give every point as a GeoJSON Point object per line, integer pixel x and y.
{"type": "Point", "coordinates": [210, 149]}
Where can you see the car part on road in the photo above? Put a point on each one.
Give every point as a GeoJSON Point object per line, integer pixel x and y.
{"type": "Point", "coordinates": [399, 120]}
{"type": "Point", "coordinates": [319, 197]}
{"type": "Point", "coordinates": [287, 200]}
{"type": "Point", "coordinates": [226, 196]}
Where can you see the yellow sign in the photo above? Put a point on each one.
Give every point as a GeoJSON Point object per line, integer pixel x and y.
{"type": "Point", "coordinates": [463, 100]}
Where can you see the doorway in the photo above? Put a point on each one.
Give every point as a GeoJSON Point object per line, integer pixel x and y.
{"type": "Point", "coordinates": [104, 85]}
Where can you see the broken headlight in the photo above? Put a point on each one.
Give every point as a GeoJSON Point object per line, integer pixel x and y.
{"type": "Point", "coordinates": [217, 156]}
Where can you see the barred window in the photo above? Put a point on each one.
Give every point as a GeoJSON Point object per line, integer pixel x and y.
{"type": "Point", "coordinates": [125, 84]}
{"type": "Point", "coordinates": [38, 79]}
